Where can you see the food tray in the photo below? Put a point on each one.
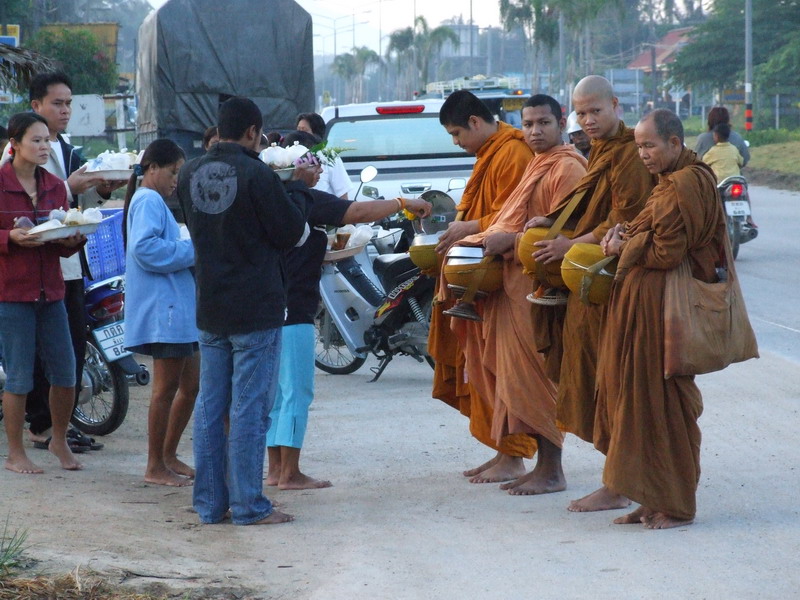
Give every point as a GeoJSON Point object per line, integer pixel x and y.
{"type": "Point", "coordinates": [114, 174]}
{"type": "Point", "coordinates": [337, 255]}
{"type": "Point", "coordinates": [284, 174]}
{"type": "Point", "coordinates": [66, 231]}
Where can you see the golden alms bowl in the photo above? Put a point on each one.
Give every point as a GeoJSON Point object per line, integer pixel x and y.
{"type": "Point", "coordinates": [422, 250]}
{"type": "Point", "coordinates": [591, 287]}
{"type": "Point", "coordinates": [526, 248]}
{"type": "Point", "coordinates": [463, 262]}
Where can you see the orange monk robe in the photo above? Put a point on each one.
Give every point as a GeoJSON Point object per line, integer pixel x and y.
{"type": "Point", "coordinates": [501, 161]}
{"type": "Point", "coordinates": [502, 361]}
{"type": "Point", "coordinates": [617, 185]}
{"type": "Point", "coordinates": [647, 425]}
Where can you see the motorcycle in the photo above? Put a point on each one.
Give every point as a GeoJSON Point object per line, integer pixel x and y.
{"type": "Point", "coordinates": [102, 402]}
{"type": "Point", "coordinates": [385, 315]}
{"type": "Point", "coordinates": [735, 199]}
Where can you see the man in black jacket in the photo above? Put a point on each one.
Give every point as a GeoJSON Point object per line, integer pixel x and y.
{"type": "Point", "coordinates": [241, 219]}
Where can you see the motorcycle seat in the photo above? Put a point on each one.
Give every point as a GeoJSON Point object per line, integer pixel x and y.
{"type": "Point", "coordinates": [393, 269]}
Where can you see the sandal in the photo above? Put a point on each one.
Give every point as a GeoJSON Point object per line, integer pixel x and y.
{"type": "Point", "coordinates": [75, 448]}
{"type": "Point", "coordinates": [77, 437]}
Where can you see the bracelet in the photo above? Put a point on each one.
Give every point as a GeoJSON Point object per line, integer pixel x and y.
{"type": "Point", "coordinates": [401, 203]}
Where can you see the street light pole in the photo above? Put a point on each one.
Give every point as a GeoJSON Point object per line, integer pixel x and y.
{"type": "Point", "coordinates": [471, 48]}
{"type": "Point", "coordinates": [748, 66]}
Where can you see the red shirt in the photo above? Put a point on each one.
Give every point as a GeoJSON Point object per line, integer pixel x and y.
{"type": "Point", "coordinates": [27, 273]}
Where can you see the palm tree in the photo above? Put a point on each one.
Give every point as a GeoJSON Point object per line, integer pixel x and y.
{"type": "Point", "coordinates": [428, 42]}
{"type": "Point", "coordinates": [401, 47]}
{"type": "Point", "coordinates": [352, 67]}
{"type": "Point", "coordinates": [417, 46]}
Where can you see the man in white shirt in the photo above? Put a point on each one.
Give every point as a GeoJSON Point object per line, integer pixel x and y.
{"type": "Point", "coordinates": [334, 178]}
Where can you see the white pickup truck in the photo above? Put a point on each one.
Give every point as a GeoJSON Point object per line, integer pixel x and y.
{"type": "Point", "coordinates": [404, 140]}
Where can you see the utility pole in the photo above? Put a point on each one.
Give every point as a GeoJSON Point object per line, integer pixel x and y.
{"type": "Point", "coordinates": [471, 46]}
{"type": "Point", "coordinates": [748, 65]}
{"type": "Point", "coordinates": [562, 59]}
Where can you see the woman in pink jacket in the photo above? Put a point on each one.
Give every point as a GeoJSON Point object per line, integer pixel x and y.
{"type": "Point", "coordinates": [32, 313]}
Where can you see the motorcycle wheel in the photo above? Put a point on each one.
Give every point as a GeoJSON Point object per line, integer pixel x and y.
{"type": "Point", "coordinates": [735, 234]}
{"type": "Point", "coordinates": [426, 304]}
{"type": "Point", "coordinates": [331, 354]}
{"type": "Point", "coordinates": [103, 401]}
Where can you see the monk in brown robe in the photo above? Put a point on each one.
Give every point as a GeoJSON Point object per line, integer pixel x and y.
{"type": "Point", "coordinates": [502, 157]}
{"type": "Point", "coordinates": [647, 425]}
{"type": "Point", "coordinates": [502, 362]}
{"type": "Point", "coordinates": [613, 190]}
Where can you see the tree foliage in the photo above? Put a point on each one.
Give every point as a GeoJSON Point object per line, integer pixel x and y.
{"type": "Point", "coordinates": [82, 57]}
{"type": "Point", "coordinates": [418, 46]}
{"type": "Point", "coordinates": [715, 55]}
{"type": "Point", "coordinates": [352, 67]}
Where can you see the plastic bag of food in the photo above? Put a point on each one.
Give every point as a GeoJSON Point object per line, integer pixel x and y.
{"type": "Point", "coordinates": [360, 236]}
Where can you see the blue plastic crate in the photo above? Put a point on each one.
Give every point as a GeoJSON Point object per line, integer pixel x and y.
{"type": "Point", "coordinates": [105, 249]}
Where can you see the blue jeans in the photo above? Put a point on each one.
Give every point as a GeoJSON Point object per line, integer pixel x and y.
{"type": "Point", "coordinates": [26, 327]}
{"type": "Point", "coordinates": [238, 378]}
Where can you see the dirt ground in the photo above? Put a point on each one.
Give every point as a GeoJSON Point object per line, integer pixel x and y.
{"type": "Point", "coordinates": [401, 522]}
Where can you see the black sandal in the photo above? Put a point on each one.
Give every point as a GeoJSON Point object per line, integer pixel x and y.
{"type": "Point", "coordinates": [76, 448]}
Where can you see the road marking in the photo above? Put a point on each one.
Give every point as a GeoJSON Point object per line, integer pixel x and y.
{"type": "Point", "coordinates": [778, 325]}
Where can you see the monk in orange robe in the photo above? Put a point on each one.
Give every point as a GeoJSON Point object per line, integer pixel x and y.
{"type": "Point", "coordinates": [613, 190]}
{"type": "Point", "coordinates": [502, 362]}
{"type": "Point", "coordinates": [502, 157]}
{"type": "Point", "coordinates": [647, 425]}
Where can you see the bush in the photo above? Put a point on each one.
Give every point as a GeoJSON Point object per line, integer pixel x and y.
{"type": "Point", "coordinates": [762, 137]}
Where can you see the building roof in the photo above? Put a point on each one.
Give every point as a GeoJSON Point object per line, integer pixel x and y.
{"type": "Point", "coordinates": [666, 50]}
{"type": "Point", "coordinates": [19, 65]}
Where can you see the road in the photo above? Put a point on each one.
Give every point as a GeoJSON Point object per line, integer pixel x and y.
{"type": "Point", "coordinates": [402, 523]}
{"type": "Point", "coordinates": [769, 268]}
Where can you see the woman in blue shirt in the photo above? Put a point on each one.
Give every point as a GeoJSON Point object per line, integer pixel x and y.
{"type": "Point", "coordinates": [160, 308]}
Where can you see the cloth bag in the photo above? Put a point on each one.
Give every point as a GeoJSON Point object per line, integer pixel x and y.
{"type": "Point", "coordinates": [706, 326]}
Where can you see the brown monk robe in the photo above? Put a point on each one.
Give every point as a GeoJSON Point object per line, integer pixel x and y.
{"type": "Point", "coordinates": [616, 185]}
{"type": "Point", "coordinates": [502, 160]}
{"type": "Point", "coordinates": [647, 425]}
{"type": "Point", "coordinates": [502, 362]}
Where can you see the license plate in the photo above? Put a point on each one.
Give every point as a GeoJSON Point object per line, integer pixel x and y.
{"type": "Point", "coordinates": [737, 208]}
{"type": "Point", "coordinates": [111, 340]}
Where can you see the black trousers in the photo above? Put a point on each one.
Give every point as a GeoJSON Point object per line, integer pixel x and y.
{"type": "Point", "coordinates": [37, 405]}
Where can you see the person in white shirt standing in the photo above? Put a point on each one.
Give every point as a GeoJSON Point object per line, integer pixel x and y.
{"type": "Point", "coordinates": [334, 178]}
{"type": "Point", "coordinates": [51, 97]}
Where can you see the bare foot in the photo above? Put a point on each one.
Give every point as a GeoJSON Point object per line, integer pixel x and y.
{"type": "Point", "coordinates": [483, 467]}
{"type": "Point", "coordinates": [275, 518]}
{"type": "Point", "coordinates": [602, 499]}
{"type": "Point", "coordinates": [537, 482]}
{"type": "Point", "coordinates": [60, 449]}
{"type": "Point", "coordinates": [636, 517]}
{"type": "Point", "coordinates": [660, 520]}
{"type": "Point", "coordinates": [178, 466]}
{"type": "Point", "coordinates": [166, 477]}
{"type": "Point", "coordinates": [302, 482]}
{"type": "Point", "coordinates": [273, 474]}
{"type": "Point", "coordinates": [22, 464]}
{"type": "Point", "coordinates": [505, 468]}
{"type": "Point", "coordinates": [39, 437]}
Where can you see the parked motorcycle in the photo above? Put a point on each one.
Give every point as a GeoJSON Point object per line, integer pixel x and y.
{"type": "Point", "coordinates": [358, 316]}
{"type": "Point", "coordinates": [735, 199]}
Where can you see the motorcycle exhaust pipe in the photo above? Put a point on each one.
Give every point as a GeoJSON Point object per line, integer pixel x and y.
{"type": "Point", "coordinates": [752, 233]}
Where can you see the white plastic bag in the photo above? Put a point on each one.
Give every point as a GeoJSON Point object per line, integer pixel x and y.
{"type": "Point", "coordinates": [361, 236]}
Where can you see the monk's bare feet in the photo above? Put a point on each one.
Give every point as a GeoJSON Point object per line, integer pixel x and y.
{"type": "Point", "coordinates": [273, 474]}
{"type": "Point", "coordinates": [22, 464]}
{"type": "Point", "coordinates": [275, 518]}
{"type": "Point", "coordinates": [166, 477]}
{"type": "Point", "coordinates": [660, 520]}
{"type": "Point", "coordinates": [178, 466]}
{"type": "Point", "coordinates": [300, 481]}
{"type": "Point", "coordinates": [60, 449]}
{"type": "Point", "coordinates": [602, 499]}
{"type": "Point", "coordinates": [506, 468]}
{"type": "Point", "coordinates": [537, 482]}
{"type": "Point", "coordinates": [636, 517]}
{"type": "Point", "coordinates": [483, 467]}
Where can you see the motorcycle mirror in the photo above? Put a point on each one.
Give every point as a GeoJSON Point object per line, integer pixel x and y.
{"type": "Point", "coordinates": [368, 173]}
{"type": "Point", "coordinates": [457, 183]}
{"type": "Point", "coordinates": [370, 192]}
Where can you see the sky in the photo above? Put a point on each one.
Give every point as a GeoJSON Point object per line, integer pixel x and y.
{"type": "Point", "coordinates": [375, 19]}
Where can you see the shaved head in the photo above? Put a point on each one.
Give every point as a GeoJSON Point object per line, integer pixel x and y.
{"type": "Point", "coordinates": [667, 123]}
{"type": "Point", "coordinates": [596, 86]}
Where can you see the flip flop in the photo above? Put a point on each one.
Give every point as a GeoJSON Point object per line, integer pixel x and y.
{"type": "Point", "coordinates": [77, 437]}
{"type": "Point", "coordinates": [76, 448]}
